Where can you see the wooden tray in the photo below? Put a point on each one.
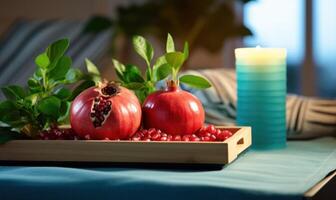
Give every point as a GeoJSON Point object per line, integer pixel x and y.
{"type": "Point", "coordinates": [128, 151]}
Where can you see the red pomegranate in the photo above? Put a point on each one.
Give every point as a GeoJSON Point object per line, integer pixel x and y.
{"type": "Point", "coordinates": [105, 112]}
{"type": "Point", "coordinates": [173, 111]}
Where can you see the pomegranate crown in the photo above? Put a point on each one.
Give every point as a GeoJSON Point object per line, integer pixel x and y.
{"type": "Point", "coordinates": [108, 88]}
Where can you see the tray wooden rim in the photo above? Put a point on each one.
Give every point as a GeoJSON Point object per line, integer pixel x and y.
{"type": "Point", "coordinates": [122, 151]}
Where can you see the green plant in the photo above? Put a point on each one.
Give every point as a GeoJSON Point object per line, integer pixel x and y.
{"type": "Point", "coordinates": [168, 64]}
{"type": "Point", "coordinates": [205, 24]}
{"type": "Point", "coordinates": [46, 101]}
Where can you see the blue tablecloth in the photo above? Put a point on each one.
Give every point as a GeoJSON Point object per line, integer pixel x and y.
{"type": "Point", "coordinates": [278, 174]}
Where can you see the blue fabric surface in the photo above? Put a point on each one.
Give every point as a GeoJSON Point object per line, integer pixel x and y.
{"type": "Point", "coordinates": [277, 174]}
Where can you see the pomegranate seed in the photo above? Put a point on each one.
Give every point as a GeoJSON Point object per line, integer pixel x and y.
{"type": "Point", "coordinates": [202, 129]}
{"type": "Point", "coordinates": [145, 134]}
{"type": "Point", "coordinates": [186, 138]}
{"type": "Point", "coordinates": [148, 137]}
{"type": "Point", "coordinates": [156, 136]}
{"type": "Point", "coordinates": [106, 111]}
{"type": "Point", "coordinates": [136, 138]}
{"type": "Point", "coordinates": [221, 136]}
{"type": "Point", "coordinates": [169, 138]}
{"type": "Point", "coordinates": [205, 138]}
{"type": "Point", "coordinates": [217, 132]}
{"type": "Point", "coordinates": [151, 131]}
{"type": "Point", "coordinates": [211, 128]}
{"type": "Point", "coordinates": [202, 132]}
{"type": "Point", "coordinates": [163, 138]}
{"type": "Point", "coordinates": [177, 138]}
{"type": "Point", "coordinates": [137, 134]}
{"type": "Point", "coordinates": [213, 138]}
{"type": "Point", "coordinates": [164, 135]}
{"type": "Point", "coordinates": [227, 132]}
{"type": "Point", "coordinates": [207, 134]}
{"type": "Point", "coordinates": [101, 107]}
{"type": "Point", "coordinates": [194, 138]}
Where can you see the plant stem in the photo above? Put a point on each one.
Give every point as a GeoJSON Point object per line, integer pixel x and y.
{"type": "Point", "coordinates": [150, 73]}
{"type": "Point", "coordinates": [174, 74]}
{"type": "Point", "coordinates": [44, 80]}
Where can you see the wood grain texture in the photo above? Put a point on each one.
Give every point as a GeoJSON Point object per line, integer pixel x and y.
{"type": "Point", "coordinates": [129, 151]}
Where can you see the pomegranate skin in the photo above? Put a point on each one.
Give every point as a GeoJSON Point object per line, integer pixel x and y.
{"type": "Point", "coordinates": [173, 111]}
{"type": "Point", "coordinates": [123, 121]}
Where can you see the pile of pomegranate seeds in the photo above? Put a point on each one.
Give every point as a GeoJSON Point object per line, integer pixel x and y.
{"type": "Point", "coordinates": [58, 134]}
{"type": "Point", "coordinates": [100, 110]}
{"type": "Point", "coordinates": [205, 134]}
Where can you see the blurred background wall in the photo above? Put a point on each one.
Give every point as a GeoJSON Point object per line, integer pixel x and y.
{"type": "Point", "coordinates": [305, 27]}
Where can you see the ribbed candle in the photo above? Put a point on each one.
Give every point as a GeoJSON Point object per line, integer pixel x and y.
{"type": "Point", "coordinates": [261, 89]}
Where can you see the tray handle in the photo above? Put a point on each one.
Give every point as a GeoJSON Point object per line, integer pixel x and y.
{"type": "Point", "coordinates": [243, 140]}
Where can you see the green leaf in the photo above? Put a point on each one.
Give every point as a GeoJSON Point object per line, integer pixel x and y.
{"type": "Point", "coordinates": [64, 111]}
{"type": "Point", "coordinates": [57, 49]}
{"type": "Point", "coordinates": [162, 72]}
{"type": "Point", "coordinates": [10, 114]}
{"type": "Point", "coordinates": [13, 92]}
{"type": "Point", "coordinates": [73, 75]}
{"type": "Point", "coordinates": [33, 83]}
{"type": "Point", "coordinates": [94, 73]}
{"type": "Point", "coordinates": [119, 69]}
{"type": "Point", "coordinates": [143, 48]}
{"type": "Point", "coordinates": [14, 119]}
{"type": "Point", "coordinates": [186, 50]}
{"type": "Point", "coordinates": [38, 74]}
{"type": "Point", "coordinates": [141, 94]}
{"type": "Point", "coordinates": [170, 47]}
{"type": "Point", "coordinates": [32, 99]}
{"type": "Point", "coordinates": [49, 106]}
{"type": "Point", "coordinates": [175, 59]}
{"type": "Point", "coordinates": [91, 68]}
{"type": "Point", "coordinates": [63, 93]}
{"type": "Point", "coordinates": [34, 86]}
{"type": "Point", "coordinates": [133, 74]}
{"type": "Point", "coordinates": [61, 69]}
{"type": "Point", "coordinates": [195, 81]}
{"type": "Point", "coordinates": [134, 86]}
{"type": "Point", "coordinates": [80, 88]}
{"type": "Point", "coordinates": [159, 61]}
{"type": "Point", "coordinates": [96, 79]}
{"type": "Point", "coordinates": [42, 60]}
{"type": "Point", "coordinates": [7, 106]}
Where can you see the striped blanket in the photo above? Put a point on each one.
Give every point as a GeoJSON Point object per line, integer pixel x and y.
{"type": "Point", "coordinates": [26, 39]}
{"type": "Point", "coordinates": [306, 117]}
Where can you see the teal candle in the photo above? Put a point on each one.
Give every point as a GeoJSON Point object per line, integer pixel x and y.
{"type": "Point", "coordinates": [261, 89]}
